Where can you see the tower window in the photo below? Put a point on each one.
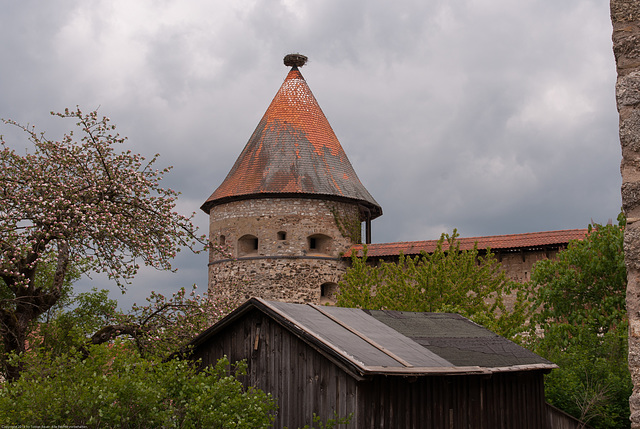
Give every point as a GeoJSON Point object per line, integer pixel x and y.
{"type": "Point", "coordinates": [247, 245]}
{"type": "Point", "coordinates": [282, 235]}
{"type": "Point", "coordinates": [223, 240]}
{"type": "Point", "coordinates": [319, 243]}
{"type": "Point", "coordinates": [328, 293]}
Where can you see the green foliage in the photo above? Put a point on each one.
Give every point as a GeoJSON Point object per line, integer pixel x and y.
{"type": "Point", "coordinates": [72, 322]}
{"type": "Point", "coordinates": [581, 310]}
{"type": "Point", "coordinates": [331, 423]}
{"type": "Point", "coordinates": [448, 280]}
{"type": "Point", "coordinates": [116, 387]}
{"type": "Point", "coordinates": [592, 382]}
{"type": "Point", "coordinates": [164, 324]}
{"type": "Point", "coordinates": [44, 278]}
{"type": "Point", "coordinates": [585, 286]}
{"type": "Point", "coordinates": [157, 329]}
{"type": "Point", "coordinates": [111, 364]}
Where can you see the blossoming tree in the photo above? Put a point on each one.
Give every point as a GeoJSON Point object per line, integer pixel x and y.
{"type": "Point", "coordinates": [78, 201]}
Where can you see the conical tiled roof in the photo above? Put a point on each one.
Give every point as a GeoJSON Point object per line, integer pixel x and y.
{"type": "Point", "coordinates": [293, 152]}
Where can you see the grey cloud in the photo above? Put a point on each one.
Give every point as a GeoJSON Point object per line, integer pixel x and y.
{"type": "Point", "coordinates": [491, 117]}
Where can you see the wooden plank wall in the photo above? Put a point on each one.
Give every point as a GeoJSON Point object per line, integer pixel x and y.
{"type": "Point", "coordinates": [500, 401]}
{"type": "Point", "coordinates": [303, 381]}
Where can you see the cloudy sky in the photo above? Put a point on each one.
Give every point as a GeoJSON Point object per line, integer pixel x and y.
{"type": "Point", "coordinates": [489, 116]}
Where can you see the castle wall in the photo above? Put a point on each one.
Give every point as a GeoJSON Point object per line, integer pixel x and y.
{"type": "Point", "coordinates": [516, 263]}
{"type": "Point", "coordinates": [519, 265]}
{"type": "Point", "coordinates": [281, 248]}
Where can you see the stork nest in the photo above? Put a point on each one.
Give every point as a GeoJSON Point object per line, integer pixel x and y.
{"type": "Point", "coordinates": [295, 60]}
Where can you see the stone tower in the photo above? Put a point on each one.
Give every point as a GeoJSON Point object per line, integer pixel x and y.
{"type": "Point", "coordinates": [289, 207]}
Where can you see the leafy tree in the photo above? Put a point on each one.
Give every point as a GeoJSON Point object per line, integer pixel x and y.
{"type": "Point", "coordinates": [448, 280]}
{"type": "Point", "coordinates": [72, 321]}
{"type": "Point", "coordinates": [117, 387]}
{"type": "Point", "coordinates": [78, 201]}
{"type": "Point", "coordinates": [155, 330]}
{"type": "Point", "coordinates": [581, 311]}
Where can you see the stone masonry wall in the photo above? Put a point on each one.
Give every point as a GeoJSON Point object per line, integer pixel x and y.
{"type": "Point", "coordinates": [518, 265]}
{"type": "Point", "coordinates": [281, 248]}
{"type": "Point", "coordinates": [290, 280]}
{"type": "Point", "coordinates": [625, 18]}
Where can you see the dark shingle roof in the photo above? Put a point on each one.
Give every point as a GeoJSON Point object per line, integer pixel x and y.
{"type": "Point", "coordinates": [293, 151]}
{"type": "Point", "coordinates": [531, 240]}
{"type": "Point", "coordinates": [392, 342]}
{"type": "Point", "coordinates": [457, 339]}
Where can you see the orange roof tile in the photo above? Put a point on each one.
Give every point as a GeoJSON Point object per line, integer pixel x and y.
{"type": "Point", "coordinates": [495, 242]}
{"type": "Point", "coordinates": [293, 151]}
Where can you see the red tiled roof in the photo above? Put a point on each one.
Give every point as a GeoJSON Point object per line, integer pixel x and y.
{"type": "Point", "coordinates": [495, 242]}
{"type": "Point", "coordinates": [293, 150]}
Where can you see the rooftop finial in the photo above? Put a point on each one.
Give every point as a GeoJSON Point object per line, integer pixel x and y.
{"type": "Point", "coordinates": [295, 60]}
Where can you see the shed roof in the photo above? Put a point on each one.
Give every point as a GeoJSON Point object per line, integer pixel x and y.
{"type": "Point", "coordinates": [392, 342]}
{"type": "Point", "coordinates": [293, 152]}
{"type": "Point", "coordinates": [527, 241]}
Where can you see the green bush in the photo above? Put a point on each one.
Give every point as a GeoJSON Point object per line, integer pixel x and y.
{"type": "Point", "coordinates": [115, 387]}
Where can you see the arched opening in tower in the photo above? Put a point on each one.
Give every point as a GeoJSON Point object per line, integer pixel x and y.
{"type": "Point", "coordinates": [328, 292]}
{"type": "Point", "coordinates": [319, 243]}
{"type": "Point", "coordinates": [248, 245]}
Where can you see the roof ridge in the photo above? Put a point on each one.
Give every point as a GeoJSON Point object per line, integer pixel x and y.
{"type": "Point", "coordinates": [505, 241]}
{"type": "Point", "coordinates": [484, 237]}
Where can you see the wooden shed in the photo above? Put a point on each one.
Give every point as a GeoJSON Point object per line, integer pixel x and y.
{"type": "Point", "coordinates": [389, 369]}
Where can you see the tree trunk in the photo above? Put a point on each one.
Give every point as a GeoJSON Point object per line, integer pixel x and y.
{"type": "Point", "coordinates": [16, 324]}
{"type": "Point", "coordinates": [625, 17]}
